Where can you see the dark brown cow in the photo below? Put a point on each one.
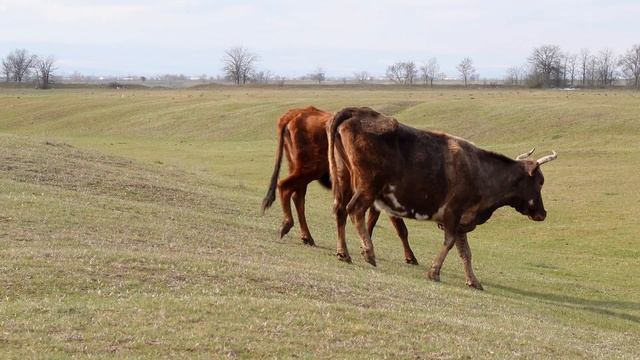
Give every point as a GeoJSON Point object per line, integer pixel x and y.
{"type": "Point", "coordinates": [303, 139]}
{"type": "Point", "coordinates": [424, 175]}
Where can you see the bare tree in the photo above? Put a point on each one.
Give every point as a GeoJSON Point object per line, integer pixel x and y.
{"type": "Point", "coordinates": [513, 75]}
{"type": "Point", "coordinates": [517, 74]}
{"type": "Point", "coordinates": [606, 67]}
{"type": "Point", "coordinates": [44, 67]}
{"type": "Point", "coordinates": [429, 71]}
{"type": "Point", "coordinates": [403, 73]}
{"type": "Point", "coordinates": [262, 77]}
{"type": "Point", "coordinates": [361, 76]}
{"type": "Point", "coordinates": [564, 62]}
{"type": "Point", "coordinates": [525, 70]}
{"type": "Point", "coordinates": [466, 69]}
{"type": "Point", "coordinates": [571, 64]}
{"type": "Point", "coordinates": [424, 75]}
{"type": "Point", "coordinates": [432, 68]}
{"type": "Point", "coordinates": [592, 70]}
{"type": "Point", "coordinates": [395, 73]}
{"type": "Point", "coordinates": [547, 66]}
{"type": "Point", "coordinates": [411, 72]}
{"type": "Point", "coordinates": [318, 75]}
{"type": "Point", "coordinates": [584, 64]}
{"type": "Point", "coordinates": [7, 68]}
{"type": "Point", "coordinates": [21, 63]}
{"type": "Point", "coordinates": [239, 64]}
{"type": "Point", "coordinates": [630, 64]}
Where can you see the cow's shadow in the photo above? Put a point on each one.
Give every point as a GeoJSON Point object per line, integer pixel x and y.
{"type": "Point", "coordinates": [603, 307]}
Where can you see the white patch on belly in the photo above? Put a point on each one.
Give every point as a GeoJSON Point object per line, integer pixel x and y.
{"type": "Point", "coordinates": [382, 206]}
{"type": "Point", "coordinates": [394, 200]}
{"type": "Point", "coordinates": [419, 216]}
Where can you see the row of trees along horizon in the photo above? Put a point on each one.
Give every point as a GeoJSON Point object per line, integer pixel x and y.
{"type": "Point", "coordinates": [547, 66]}
{"type": "Point", "coordinates": [19, 65]}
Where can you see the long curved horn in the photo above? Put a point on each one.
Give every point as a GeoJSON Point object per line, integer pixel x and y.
{"type": "Point", "coordinates": [547, 158]}
{"type": "Point", "coordinates": [525, 155]}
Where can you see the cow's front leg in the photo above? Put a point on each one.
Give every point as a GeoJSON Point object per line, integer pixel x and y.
{"type": "Point", "coordinates": [434, 271]}
{"type": "Point", "coordinates": [465, 254]}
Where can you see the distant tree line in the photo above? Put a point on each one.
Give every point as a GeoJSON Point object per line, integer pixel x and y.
{"type": "Point", "coordinates": [546, 66]}
{"type": "Point", "coordinates": [549, 66]}
{"type": "Point", "coordinates": [19, 66]}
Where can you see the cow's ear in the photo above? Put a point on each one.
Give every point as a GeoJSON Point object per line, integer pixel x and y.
{"type": "Point", "coordinates": [530, 167]}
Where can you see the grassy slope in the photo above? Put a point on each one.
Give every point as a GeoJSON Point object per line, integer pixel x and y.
{"type": "Point", "coordinates": [142, 238]}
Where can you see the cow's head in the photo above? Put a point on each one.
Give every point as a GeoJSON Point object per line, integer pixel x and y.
{"type": "Point", "coordinates": [528, 199]}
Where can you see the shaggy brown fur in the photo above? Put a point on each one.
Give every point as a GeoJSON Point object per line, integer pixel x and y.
{"type": "Point", "coordinates": [303, 139]}
{"type": "Point", "coordinates": [374, 160]}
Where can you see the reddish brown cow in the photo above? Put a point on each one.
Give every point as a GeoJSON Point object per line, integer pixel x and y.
{"type": "Point", "coordinates": [424, 175]}
{"type": "Point", "coordinates": [303, 139]}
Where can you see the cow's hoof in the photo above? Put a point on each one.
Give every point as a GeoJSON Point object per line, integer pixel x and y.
{"type": "Point", "coordinates": [308, 241]}
{"type": "Point", "coordinates": [286, 226]}
{"type": "Point", "coordinates": [412, 261]}
{"type": "Point", "coordinates": [475, 284]}
{"type": "Point", "coordinates": [344, 257]}
{"type": "Point", "coordinates": [433, 275]}
{"type": "Point", "coordinates": [369, 257]}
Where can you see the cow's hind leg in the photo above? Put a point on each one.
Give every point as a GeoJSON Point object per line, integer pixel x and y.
{"type": "Point", "coordinates": [434, 271]}
{"type": "Point", "coordinates": [287, 188]}
{"type": "Point", "coordinates": [341, 248]}
{"type": "Point", "coordinates": [403, 233]}
{"type": "Point", "coordinates": [357, 209]}
{"type": "Point", "coordinates": [298, 200]}
{"type": "Point", "coordinates": [374, 214]}
{"type": "Point", "coordinates": [465, 254]}
{"type": "Point", "coordinates": [401, 230]}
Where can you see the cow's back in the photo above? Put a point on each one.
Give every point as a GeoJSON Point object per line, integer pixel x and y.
{"type": "Point", "coordinates": [306, 143]}
{"type": "Point", "coordinates": [400, 165]}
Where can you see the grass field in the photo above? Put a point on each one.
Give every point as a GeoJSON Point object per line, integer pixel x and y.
{"type": "Point", "coordinates": [130, 226]}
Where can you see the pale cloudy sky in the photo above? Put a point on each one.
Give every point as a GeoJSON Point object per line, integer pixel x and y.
{"type": "Point", "coordinates": [294, 37]}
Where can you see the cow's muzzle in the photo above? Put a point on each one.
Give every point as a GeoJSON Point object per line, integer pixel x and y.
{"type": "Point", "coordinates": [538, 217]}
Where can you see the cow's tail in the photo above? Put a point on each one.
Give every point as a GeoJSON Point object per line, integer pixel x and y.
{"type": "Point", "coordinates": [270, 197]}
{"type": "Point", "coordinates": [335, 144]}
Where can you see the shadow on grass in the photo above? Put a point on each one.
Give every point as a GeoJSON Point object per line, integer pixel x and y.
{"type": "Point", "coordinates": [602, 307]}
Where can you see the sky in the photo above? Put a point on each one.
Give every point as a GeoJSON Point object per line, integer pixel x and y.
{"type": "Point", "coordinates": [293, 38]}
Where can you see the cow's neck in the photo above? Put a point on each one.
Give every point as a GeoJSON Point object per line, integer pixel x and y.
{"type": "Point", "coordinates": [497, 186]}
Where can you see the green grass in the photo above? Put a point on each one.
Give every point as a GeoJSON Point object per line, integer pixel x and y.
{"type": "Point", "coordinates": [130, 226]}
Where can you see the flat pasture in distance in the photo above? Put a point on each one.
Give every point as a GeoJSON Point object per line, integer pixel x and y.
{"type": "Point", "coordinates": [130, 226]}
